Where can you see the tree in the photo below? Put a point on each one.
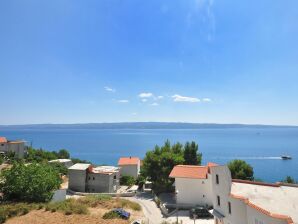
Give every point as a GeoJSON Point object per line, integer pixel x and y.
{"type": "Point", "coordinates": [127, 180]}
{"type": "Point", "coordinates": [59, 167]}
{"type": "Point", "coordinates": [191, 155]}
{"type": "Point", "coordinates": [241, 170]}
{"type": "Point", "coordinates": [289, 180]}
{"type": "Point", "coordinates": [29, 183]}
{"type": "Point", "coordinates": [159, 162]}
{"type": "Point", "coordinates": [63, 154]}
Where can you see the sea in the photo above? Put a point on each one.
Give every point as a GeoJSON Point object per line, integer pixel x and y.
{"type": "Point", "coordinates": [260, 147]}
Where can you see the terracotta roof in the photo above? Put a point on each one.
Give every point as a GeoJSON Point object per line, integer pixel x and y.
{"type": "Point", "coordinates": [212, 164]}
{"type": "Point", "coordinates": [188, 171]}
{"type": "Point", "coordinates": [128, 161]}
{"type": "Point", "coordinates": [255, 183]}
{"type": "Point", "coordinates": [3, 140]}
{"type": "Point", "coordinates": [288, 219]}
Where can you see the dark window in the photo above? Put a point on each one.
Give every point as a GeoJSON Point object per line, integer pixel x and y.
{"type": "Point", "coordinates": [89, 178]}
{"type": "Point", "coordinates": [218, 200]}
{"type": "Point", "coordinates": [230, 209]}
{"type": "Point", "coordinates": [93, 178]}
{"type": "Point", "coordinates": [203, 195]}
{"type": "Point", "coordinates": [217, 179]}
{"type": "Point", "coordinates": [2, 144]}
{"type": "Point", "coordinates": [115, 177]}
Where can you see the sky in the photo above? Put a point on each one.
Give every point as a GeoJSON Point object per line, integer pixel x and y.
{"type": "Point", "coordinates": [205, 61]}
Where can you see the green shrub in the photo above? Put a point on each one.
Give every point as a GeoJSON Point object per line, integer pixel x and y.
{"type": "Point", "coordinates": [127, 180]}
{"type": "Point", "coordinates": [68, 212]}
{"type": "Point", "coordinates": [25, 211]}
{"type": "Point", "coordinates": [2, 218]}
{"type": "Point", "coordinates": [72, 206]}
{"type": "Point", "coordinates": [123, 203]}
{"type": "Point", "coordinates": [30, 183]}
{"type": "Point", "coordinates": [111, 215]}
{"type": "Point", "coordinates": [53, 210]}
{"type": "Point", "coordinates": [94, 200]}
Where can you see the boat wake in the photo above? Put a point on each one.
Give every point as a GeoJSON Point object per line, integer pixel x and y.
{"type": "Point", "coordinates": [253, 157]}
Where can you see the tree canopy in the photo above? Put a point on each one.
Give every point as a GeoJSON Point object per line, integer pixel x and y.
{"type": "Point", "coordinates": [241, 170]}
{"type": "Point", "coordinates": [191, 155]}
{"type": "Point", "coordinates": [159, 162]}
{"type": "Point", "coordinates": [289, 180]}
{"type": "Point", "coordinates": [30, 182]}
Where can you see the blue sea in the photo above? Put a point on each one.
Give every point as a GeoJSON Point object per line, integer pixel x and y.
{"type": "Point", "coordinates": [260, 147]}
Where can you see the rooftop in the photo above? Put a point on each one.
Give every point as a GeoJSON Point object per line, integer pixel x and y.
{"type": "Point", "coordinates": [80, 166]}
{"type": "Point", "coordinates": [128, 161]}
{"type": "Point", "coordinates": [3, 140]}
{"type": "Point", "coordinates": [188, 171]}
{"type": "Point", "coordinates": [60, 160]}
{"type": "Point", "coordinates": [271, 199]}
{"type": "Point", "coordinates": [105, 169]}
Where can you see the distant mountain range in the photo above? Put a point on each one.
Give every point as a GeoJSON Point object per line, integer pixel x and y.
{"type": "Point", "coordinates": [142, 125]}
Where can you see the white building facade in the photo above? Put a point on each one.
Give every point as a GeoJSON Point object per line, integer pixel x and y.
{"type": "Point", "coordinates": [18, 147]}
{"type": "Point", "coordinates": [247, 202]}
{"type": "Point", "coordinates": [193, 185]}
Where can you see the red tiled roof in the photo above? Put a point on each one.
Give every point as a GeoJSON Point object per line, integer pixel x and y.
{"type": "Point", "coordinates": [255, 183]}
{"type": "Point", "coordinates": [3, 140]}
{"type": "Point", "coordinates": [211, 164]}
{"type": "Point", "coordinates": [128, 161]}
{"type": "Point", "coordinates": [188, 171]}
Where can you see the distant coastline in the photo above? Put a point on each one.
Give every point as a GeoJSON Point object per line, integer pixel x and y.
{"type": "Point", "coordinates": [142, 125]}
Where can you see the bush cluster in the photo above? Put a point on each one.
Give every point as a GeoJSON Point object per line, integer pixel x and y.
{"type": "Point", "coordinates": [16, 209]}
{"type": "Point", "coordinates": [68, 207]}
{"type": "Point", "coordinates": [127, 180]}
{"type": "Point", "coordinates": [29, 182]}
{"type": "Point", "coordinates": [111, 215]}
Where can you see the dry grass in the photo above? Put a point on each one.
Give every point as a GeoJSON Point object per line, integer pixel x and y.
{"type": "Point", "coordinates": [44, 217]}
{"type": "Point", "coordinates": [89, 209]}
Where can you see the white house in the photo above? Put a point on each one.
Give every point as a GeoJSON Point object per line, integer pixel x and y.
{"type": "Point", "coordinates": [17, 146]}
{"type": "Point", "coordinates": [193, 184]}
{"type": "Point", "coordinates": [248, 202]}
{"type": "Point", "coordinates": [130, 166]}
{"type": "Point", "coordinates": [66, 162]}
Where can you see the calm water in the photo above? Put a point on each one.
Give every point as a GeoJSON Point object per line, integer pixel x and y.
{"type": "Point", "coordinates": [260, 147]}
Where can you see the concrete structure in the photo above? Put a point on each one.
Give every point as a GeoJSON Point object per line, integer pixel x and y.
{"type": "Point", "coordinates": [85, 178]}
{"type": "Point", "coordinates": [66, 162]}
{"type": "Point", "coordinates": [18, 147]}
{"type": "Point", "coordinates": [130, 166]}
{"type": "Point", "coordinates": [247, 202]}
{"type": "Point", "coordinates": [193, 185]}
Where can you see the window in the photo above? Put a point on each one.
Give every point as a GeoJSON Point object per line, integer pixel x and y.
{"type": "Point", "coordinates": [93, 178]}
{"type": "Point", "coordinates": [230, 209]}
{"type": "Point", "coordinates": [203, 195]}
{"type": "Point", "coordinates": [217, 179]}
{"type": "Point", "coordinates": [115, 177]}
{"type": "Point", "coordinates": [218, 200]}
{"type": "Point", "coordinates": [89, 178]}
{"type": "Point", "coordinates": [203, 182]}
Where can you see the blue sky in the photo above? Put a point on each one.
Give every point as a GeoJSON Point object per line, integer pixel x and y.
{"type": "Point", "coordinates": [160, 60]}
